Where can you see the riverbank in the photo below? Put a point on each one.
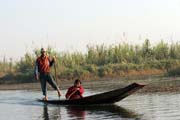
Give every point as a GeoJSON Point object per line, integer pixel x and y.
{"type": "Point", "coordinates": [153, 84]}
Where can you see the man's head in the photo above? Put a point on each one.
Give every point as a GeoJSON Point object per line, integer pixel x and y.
{"type": "Point", "coordinates": [43, 51]}
{"type": "Point", "coordinates": [77, 83]}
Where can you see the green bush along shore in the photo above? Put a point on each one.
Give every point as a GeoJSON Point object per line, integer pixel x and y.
{"type": "Point", "coordinates": [120, 60]}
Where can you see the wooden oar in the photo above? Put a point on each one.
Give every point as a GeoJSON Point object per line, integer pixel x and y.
{"type": "Point", "coordinates": [55, 74]}
{"type": "Point", "coordinates": [55, 70]}
{"type": "Point", "coordinates": [72, 93]}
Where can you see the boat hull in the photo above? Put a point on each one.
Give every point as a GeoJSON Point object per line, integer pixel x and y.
{"type": "Point", "coordinates": [102, 98]}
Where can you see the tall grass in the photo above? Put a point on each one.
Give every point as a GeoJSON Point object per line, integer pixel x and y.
{"type": "Point", "coordinates": [102, 60]}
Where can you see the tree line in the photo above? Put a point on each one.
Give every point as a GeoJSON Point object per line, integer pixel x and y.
{"type": "Point", "coordinates": [99, 61]}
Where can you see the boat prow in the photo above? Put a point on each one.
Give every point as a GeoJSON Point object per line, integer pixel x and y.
{"type": "Point", "coordinates": [109, 97]}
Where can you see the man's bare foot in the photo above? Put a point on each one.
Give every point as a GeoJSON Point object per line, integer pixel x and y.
{"type": "Point", "coordinates": [45, 98]}
{"type": "Point", "coordinates": [59, 93]}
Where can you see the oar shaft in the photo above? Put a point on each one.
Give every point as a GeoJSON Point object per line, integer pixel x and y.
{"type": "Point", "coordinates": [55, 72]}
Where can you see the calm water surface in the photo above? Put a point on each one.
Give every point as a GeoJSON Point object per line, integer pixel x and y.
{"type": "Point", "coordinates": [22, 105]}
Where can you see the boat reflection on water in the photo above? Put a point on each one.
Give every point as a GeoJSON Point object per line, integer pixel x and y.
{"type": "Point", "coordinates": [52, 112]}
{"type": "Point", "coordinates": [105, 111]}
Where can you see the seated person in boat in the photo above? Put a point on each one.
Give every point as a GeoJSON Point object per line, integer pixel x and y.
{"type": "Point", "coordinates": [75, 91]}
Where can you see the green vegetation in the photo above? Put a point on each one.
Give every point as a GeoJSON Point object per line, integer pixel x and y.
{"type": "Point", "coordinates": [100, 61]}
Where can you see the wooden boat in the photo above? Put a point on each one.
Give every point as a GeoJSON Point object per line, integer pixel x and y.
{"type": "Point", "coordinates": [101, 98]}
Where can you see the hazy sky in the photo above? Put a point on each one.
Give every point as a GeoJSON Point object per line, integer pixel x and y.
{"type": "Point", "coordinates": [69, 25]}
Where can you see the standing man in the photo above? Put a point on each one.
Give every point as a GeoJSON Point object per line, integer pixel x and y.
{"type": "Point", "coordinates": [42, 72]}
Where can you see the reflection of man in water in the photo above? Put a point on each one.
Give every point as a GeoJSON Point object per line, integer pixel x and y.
{"type": "Point", "coordinates": [76, 112]}
{"type": "Point", "coordinates": [45, 113]}
{"type": "Point", "coordinates": [53, 114]}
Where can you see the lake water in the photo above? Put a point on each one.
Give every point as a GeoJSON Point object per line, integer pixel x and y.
{"type": "Point", "coordinates": [22, 105]}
